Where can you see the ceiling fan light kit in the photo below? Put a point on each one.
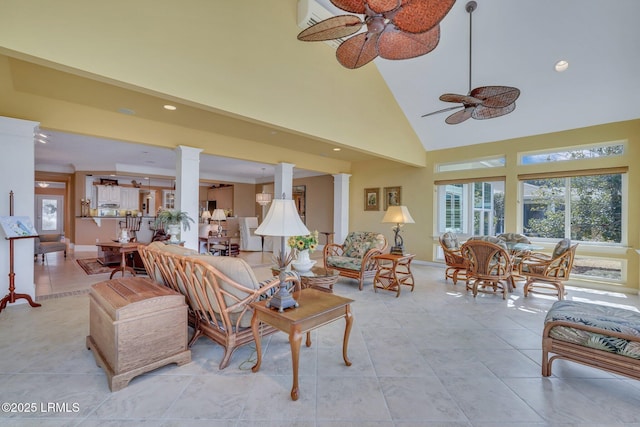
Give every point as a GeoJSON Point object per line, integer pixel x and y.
{"type": "Point", "coordinates": [485, 102]}
{"type": "Point", "coordinates": [395, 29]}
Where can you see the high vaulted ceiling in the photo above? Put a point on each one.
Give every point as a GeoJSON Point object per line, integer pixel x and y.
{"type": "Point", "coordinates": [304, 103]}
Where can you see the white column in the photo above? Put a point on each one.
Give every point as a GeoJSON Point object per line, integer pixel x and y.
{"type": "Point", "coordinates": [17, 168]}
{"type": "Point", "coordinates": [340, 207]}
{"type": "Point", "coordinates": [187, 190]}
{"type": "Point", "coordinates": [283, 180]}
{"type": "Point", "coordinates": [283, 183]}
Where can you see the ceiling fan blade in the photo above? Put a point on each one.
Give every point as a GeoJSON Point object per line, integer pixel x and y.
{"type": "Point", "coordinates": [442, 111]}
{"type": "Point", "coordinates": [418, 16]}
{"type": "Point", "coordinates": [482, 112]}
{"type": "Point", "coordinates": [332, 28]}
{"type": "Point", "coordinates": [459, 116]}
{"type": "Point", "coordinates": [396, 44]}
{"type": "Point", "coordinates": [462, 99]}
{"type": "Point", "coordinates": [353, 6]}
{"type": "Point", "coordinates": [496, 96]}
{"type": "Point", "coordinates": [383, 6]}
{"type": "Point", "coordinates": [357, 51]}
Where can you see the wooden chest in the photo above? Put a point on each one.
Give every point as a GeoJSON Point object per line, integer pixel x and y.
{"type": "Point", "coordinates": [136, 326]}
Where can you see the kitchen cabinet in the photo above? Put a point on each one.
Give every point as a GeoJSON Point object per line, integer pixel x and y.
{"type": "Point", "coordinates": [108, 194]}
{"type": "Point", "coordinates": [130, 198]}
{"type": "Point", "coordinates": [168, 199]}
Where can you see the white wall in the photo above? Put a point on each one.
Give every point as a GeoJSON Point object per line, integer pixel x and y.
{"type": "Point", "coordinates": [17, 174]}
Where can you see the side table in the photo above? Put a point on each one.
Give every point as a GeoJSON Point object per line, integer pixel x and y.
{"type": "Point", "coordinates": [393, 270]}
{"type": "Point", "coordinates": [316, 308]}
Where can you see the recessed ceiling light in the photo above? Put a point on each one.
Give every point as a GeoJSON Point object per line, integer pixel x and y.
{"type": "Point", "coordinates": [170, 107]}
{"type": "Point", "coordinates": [561, 66]}
{"type": "Point", "coordinates": [336, 149]}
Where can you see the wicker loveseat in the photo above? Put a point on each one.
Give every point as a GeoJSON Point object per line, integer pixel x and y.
{"type": "Point", "coordinates": [354, 258]}
{"type": "Point", "coordinates": [218, 290]}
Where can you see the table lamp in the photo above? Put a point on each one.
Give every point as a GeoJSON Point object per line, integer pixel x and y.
{"type": "Point", "coordinates": [206, 216]}
{"type": "Point", "coordinates": [398, 215]}
{"type": "Point", "coordinates": [282, 220]}
{"type": "Point", "coordinates": [219, 215]}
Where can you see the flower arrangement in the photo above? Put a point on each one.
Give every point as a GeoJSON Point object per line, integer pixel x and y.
{"type": "Point", "coordinates": [304, 242]}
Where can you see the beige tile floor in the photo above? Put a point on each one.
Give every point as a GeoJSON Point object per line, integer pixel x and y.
{"type": "Point", "coordinates": [434, 357]}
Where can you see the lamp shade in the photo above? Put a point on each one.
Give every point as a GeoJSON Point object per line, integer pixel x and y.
{"type": "Point", "coordinates": [206, 215]}
{"type": "Point", "coordinates": [398, 215]}
{"type": "Point", "coordinates": [282, 220]}
{"type": "Point", "coordinates": [218, 215]}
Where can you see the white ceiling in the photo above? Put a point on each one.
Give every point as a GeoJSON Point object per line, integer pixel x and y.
{"type": "Point", "coordinates": [515, 43]}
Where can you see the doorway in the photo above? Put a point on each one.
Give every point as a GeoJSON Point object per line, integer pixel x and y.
{"type": "Point", "coordinates": [49, 215]}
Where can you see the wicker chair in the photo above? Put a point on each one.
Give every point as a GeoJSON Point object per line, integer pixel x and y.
{"type": "Point", "coordinates": [218, 290]}
{"type": "Point", "coordinates": [354, 258]}
{"type": "Point", "coordinates": [545, 274]}
{"type": "Point", "coordinates": [456, 264]}
{"type": "Point", "coordinates": [490, 266]}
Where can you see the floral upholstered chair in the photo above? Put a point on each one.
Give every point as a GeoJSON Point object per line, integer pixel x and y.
{"type": "Point", "coordinates": [354, 258]}
{"type": "Point", "coordinates": [545, 274]}
{"type": "Point", "coordinates": [456, 263]}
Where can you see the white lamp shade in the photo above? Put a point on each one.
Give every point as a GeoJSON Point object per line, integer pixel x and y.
{"type": "Point", "coordinates": [218, 215]}
{"type": "Point", "coordinates": [398, 215]}
{"type": "Point", "coordinates": [206, 215]}
{"type": "Point", "coordinates": [282, 220]}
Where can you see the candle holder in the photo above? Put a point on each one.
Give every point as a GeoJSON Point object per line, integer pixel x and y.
{"type": "Point", "coordinates": [85, 206]}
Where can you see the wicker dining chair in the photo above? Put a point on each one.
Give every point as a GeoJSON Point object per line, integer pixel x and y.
{"type": "Point", "coordinates": [546, 274]}
{"type": "Point", "coordinates": [490, 267]}
{"type": "Point", "coordinates": [456, 264]}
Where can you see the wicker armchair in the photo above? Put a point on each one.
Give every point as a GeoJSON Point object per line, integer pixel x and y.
{"type": "Point", "coordinates": [490, 266]}
{"type": "Point", "coordinates": [456, 264]}
{"type": "Point", "coordinates": [218, 290]}
{"type": "Point", "coordinates": [545, 274]}
{"type": "Point", "coordinates": [354, 258]}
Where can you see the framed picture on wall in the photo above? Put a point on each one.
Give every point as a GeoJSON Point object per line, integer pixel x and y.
{"type": "Point", "coordinates": [392, 196]}
{"type": "Point", "coordinates": [371, 199]}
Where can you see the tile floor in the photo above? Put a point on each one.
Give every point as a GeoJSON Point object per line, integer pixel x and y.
{"type": "Point", "coordinates": [434, 357]}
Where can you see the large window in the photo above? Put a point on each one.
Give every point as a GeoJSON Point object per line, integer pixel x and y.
{"type": "Point", "coordinates": [586, 208]}
{"type": "Point", "coordinates": [475, 208]}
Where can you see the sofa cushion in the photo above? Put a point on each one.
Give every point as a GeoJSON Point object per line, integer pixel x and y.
{"type": "Point", "coordinates": [344, 262]}
{"type": "Point", "coordinates": [357, 243]}
{"type": "Point", "coordinates": [561, 247]}
{"type": "Point", "coordinates": [173, 249]}
{"type": "Point", "coordinates": [450, 241]}
{"type": "Point", "coordinates": [599, 316]}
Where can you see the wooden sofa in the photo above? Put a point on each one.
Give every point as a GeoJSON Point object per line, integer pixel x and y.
{"type": "Point", "coordinates": [217, 289]}
{"type": "Point", "coordinates": [354, 257]}
{"type": "Point", "coordinates": [595, 335]}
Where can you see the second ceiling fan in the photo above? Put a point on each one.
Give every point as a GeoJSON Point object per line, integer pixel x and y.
{"type": "Point", "coordinates": [485, 102]}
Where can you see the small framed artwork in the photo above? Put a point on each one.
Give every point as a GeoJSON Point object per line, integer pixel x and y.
{"type": "Point", "coordinates": [392, 196]}
{"type": "Point", "coordinates": [371, 199]}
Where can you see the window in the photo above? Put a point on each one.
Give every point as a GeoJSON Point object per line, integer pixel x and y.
{"type": "Point", "coordinates": [471, 207]}
{"type": "Point", "coordinates": [577, 153]}
{"type": "Point", "coordinates": [496, 162]}
{"type": "Point", "coordinates": [585, 208]}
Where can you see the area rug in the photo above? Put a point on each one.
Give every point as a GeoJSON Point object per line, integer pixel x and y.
{"type": "Point", "coordinates": [92, 266]}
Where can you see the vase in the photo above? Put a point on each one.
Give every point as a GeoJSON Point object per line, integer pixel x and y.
{"type": "Point", "coordinates": [303, 263]}
{"type": "Point", "coordinates": [174, 232]}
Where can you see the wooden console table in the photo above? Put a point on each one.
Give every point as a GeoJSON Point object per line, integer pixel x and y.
{"type": "Point", "coordinates": [316, 308]}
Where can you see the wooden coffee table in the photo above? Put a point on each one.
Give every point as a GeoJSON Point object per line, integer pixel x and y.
{"type": "Point", "coordinates": [316, 308]}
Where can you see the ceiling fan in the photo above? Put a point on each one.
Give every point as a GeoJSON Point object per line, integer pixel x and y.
{"type": "Point", "coordinates": [396, 29]}
{"type": "Point", "coordinates": [485, 102]}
